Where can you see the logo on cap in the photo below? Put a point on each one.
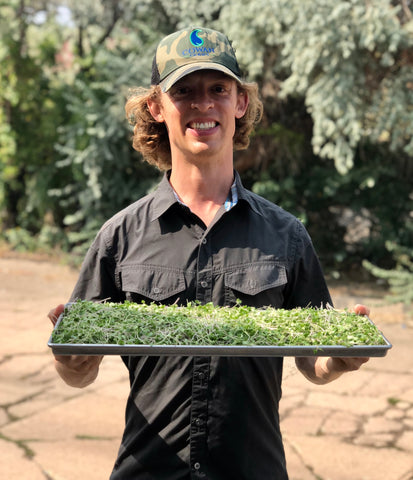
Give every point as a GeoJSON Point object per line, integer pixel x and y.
{"type": "Point", "coordinates": [194, 38]}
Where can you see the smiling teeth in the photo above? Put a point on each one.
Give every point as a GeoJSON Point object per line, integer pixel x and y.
{"type": "Point", "coordinates": [203, 126]}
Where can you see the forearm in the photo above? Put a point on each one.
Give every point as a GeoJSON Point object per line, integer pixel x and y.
{"type": "Point", "coordinates": [322, 370]}
{"type": "Point", "coordinates": [78, 371]}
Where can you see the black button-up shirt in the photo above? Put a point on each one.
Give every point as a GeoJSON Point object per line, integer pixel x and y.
{"type": "Point", "coordinates": [210, 418]}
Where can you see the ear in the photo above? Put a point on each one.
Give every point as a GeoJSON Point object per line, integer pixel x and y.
{"type": "Point", "coordinates": [242, 104]}
{"type": "Point", "coordinates": [155, 110]}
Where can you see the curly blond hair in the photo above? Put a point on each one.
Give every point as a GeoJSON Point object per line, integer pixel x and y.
{"type": "Point", "coordinates": [150, 137]}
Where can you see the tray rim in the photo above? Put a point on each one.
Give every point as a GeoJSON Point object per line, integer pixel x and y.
{"type": "Point", "coordinates": [220, 350]}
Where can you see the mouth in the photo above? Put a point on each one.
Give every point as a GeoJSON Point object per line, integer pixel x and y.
{"type": "Point", "coordinates": [203, 126]}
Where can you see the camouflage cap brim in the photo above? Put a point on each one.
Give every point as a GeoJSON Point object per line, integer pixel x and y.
{"type": "Point", "coordinates": [188, 69]}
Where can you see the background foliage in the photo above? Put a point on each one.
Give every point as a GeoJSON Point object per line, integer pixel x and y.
{"type": "Point", "coordinates": [335, 146]}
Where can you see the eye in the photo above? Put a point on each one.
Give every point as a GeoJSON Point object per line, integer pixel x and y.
{"type": "Point", "coordinates": [222, 88]}
{"type": "Point", "coordinates": [219, 89]}
{"type": "Point", "coordinates": [180, 90]}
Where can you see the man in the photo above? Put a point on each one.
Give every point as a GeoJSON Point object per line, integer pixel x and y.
{"type": "Point", "coordinates": [201, 236]}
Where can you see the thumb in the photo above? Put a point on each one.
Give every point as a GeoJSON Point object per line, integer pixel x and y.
{"type": "Point", "coordinates": [362, 310]}
{"type": "Point", "coordinates": [55, 313]}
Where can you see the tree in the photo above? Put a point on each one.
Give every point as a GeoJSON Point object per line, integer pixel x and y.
{"type": "Point", "coordinates": [399, 278]}
{"type": "Point", "coordinates": [94, 147]}
{"type": "Point", "coordinates": [335, 140]}
{"type": "Point", "coordinates": [29, 112]}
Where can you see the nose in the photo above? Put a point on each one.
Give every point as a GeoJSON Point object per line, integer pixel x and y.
{"type": "Point", "coordinates": [202, 101]}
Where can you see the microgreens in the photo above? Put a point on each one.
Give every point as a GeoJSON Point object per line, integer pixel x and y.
{"type": "Point", "coordinates": [130, 323]}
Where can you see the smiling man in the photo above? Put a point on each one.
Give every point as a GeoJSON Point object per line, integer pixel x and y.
{"type": "Point", "coordinates": [201, 236]}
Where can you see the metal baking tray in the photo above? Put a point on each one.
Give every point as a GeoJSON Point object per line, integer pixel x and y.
{"type": "Point", "coordinates": [222, 351]}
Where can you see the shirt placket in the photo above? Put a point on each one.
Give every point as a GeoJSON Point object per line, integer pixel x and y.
{"type": "Point", "coordinates": [204, 271]}
{"type": "Point", "coordinates": [199, 414]}
{"type": "Point", "coordinates": [199, 407]}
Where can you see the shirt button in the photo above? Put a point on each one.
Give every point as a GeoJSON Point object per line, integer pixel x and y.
{"type": "Point", "coordinates": [197, 466]}
{"type": "Point", "coordinates": [204, 241]}
{"type": "Point", "coordinates": [156, 290]}
{"type": "Point", "coordinates": [204, 284]}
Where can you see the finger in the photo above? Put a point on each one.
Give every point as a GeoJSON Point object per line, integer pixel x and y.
{"type": "Point", "coordinates": [362, 309]}
{"type": "Point", "coordinates": [66, 359]}
{"type": "Point", "coordinates": [349, 364]}
{"type": "Point", "coordinates": [72, 361]}
{"type": "Point", "coordinates": [55, 313]}
{"type": "Point", "coordinates": [78, 361]}
{"type": "Point", "coordinates": [357, 362]}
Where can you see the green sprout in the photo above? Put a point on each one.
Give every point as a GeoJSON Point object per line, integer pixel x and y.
{"type": "Point", "coordinates": [130, 323]}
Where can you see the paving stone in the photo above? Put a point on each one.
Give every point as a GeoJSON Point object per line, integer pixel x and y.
{"type": "Point", "coordinates": [382, 383]}
{"type": "Point", "coordinates": [68, 459]}
{"type": "Point", "coordinates": [380, 424]}
{"type": "Point", "coordinates": [399, 359]}
{"type": "Point", "coordinates": [408, 476]}
{"type": "Point", "coordinates": [289, 368]}
{"type": "Point", "coordinates": [403, 405]}
{"type": "Point", "coordinates": [295, 464]}
{"type": "Point", "coordinates": [332, 459]}
{"type": "Point", "coordinates": [44, 401]}
{"type": "Point", "coordinates": [91, 415]}
{"type": "Point", "coordinates": [14, 465]}
{"type": "Point", "coordinates": [4, 418]}
{"type": "Point", "coordinates": [341, 423]}
{"type": "Point", "coordinates": [350, 383]}
{"type": "Point", "coordinates": [357, 405]}
{"type": "Point", "coordinates": [48, 389]}
{"type": "Point", "coordinates": [376, 440]}
{"type": "Point", "coordinates": [407, 396]}
{"type": "Point", "coordinates": [408, 423]}
{"type": "Point", "coordinates": [29, 340]}
{"type": "Point", "coordinates": [13, 391]}
{"type": "Point", "coordinates": [21, 365]}
{"type": "Point", "coordinates": [112, 369]}
{"type": "Point", "coordinates": [303, 420]}
{"type": "Point", "coordinates": [394, 414]}
{"type": "Point", "coordinates": [290, 401]}
{"type": "Point", "coordinates": [405, 442]}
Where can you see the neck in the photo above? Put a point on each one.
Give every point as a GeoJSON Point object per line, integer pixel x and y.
{"type": "Point", "coordinates": [203, 189]}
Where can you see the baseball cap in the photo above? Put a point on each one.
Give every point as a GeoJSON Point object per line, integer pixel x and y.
{"type": "Point", "coordinates": [189, 50]}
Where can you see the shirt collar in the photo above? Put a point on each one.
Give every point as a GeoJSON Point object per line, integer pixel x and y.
{"type": "Point", "coordinates": [165, 196]}
{"type": "Point", "coordinates": [231, 201]}
{"type": "Point", "coordinates": [244, 194]}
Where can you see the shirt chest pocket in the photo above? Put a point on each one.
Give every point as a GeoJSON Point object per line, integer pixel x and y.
{"type": "Point", "coordinates": [153, 284]}
{"type": "Point", "coordinates": [257, 285]}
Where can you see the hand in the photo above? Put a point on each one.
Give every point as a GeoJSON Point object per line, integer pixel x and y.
{"type": "Point", "coordinates": [322, 370]}
{"type": "Point", "coordinates": [361, 309]}
{"type": "Point", "coordinates": [349, 364]}
{"type": "Point", "coordinates": [55, 313]}
{"type": "Point", "coordinates": [76, 370]}
{"type": "Point", "coordinates": [333, 367]}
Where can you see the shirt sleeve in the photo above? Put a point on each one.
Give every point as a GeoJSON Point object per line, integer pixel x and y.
{"type": "Point", "coordinates": [98, 276]}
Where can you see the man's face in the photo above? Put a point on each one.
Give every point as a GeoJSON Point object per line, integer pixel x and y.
{"type": "Point", "coordinates": [199, 112]}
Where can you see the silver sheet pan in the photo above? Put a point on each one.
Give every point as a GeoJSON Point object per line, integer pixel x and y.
{"type": "Point", "coordinates": [223, 351]}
